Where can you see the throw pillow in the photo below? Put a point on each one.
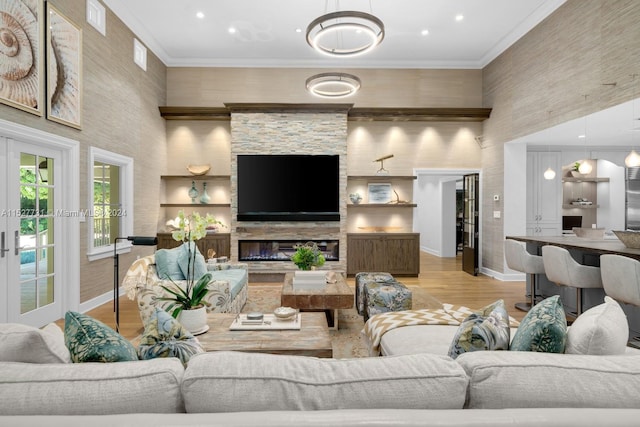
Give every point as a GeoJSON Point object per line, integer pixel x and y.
{"type": "Point", "coordinates": [167, 265]}
{"type": "Point", "coordinates": [543, 329]}
{"type": "Point", "coordinates": [164, 336]}
{"type": "Point", "coordinates": [26, 344]}
{"type": "Point", "coordinates": [185, 258]}
{"type": "Point", "coordinates": [601, 330]}
{"type": "Point", "coordinates": [485, 329]}
{"type": "Point", "coordinates": [90, 340]}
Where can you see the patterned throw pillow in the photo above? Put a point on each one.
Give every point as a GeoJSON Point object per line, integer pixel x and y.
{"type": "Point", "coordinates": [90, 340]}
{"type": "Point", "coordinates": [543, 329]}
{"type": "Point", "coordinates": [485, 329]}
{"type": "Point", "coordinates": [164, 336]}
{"type": "Point", "coordinates": [601, 330]}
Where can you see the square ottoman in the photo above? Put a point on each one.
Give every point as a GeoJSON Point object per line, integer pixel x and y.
{"type": "Point", "coordinates": [368, 277]}
{"type": "Point", "coordinates": [385, 297]}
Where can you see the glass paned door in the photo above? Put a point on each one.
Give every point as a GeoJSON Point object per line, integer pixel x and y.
{"type": "Point", "coordinates": [470, 224]}
{"type": "Point", "coordinates": [33, 290]}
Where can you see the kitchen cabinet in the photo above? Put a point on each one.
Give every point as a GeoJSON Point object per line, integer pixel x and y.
{"type": "Point", "coordinates": [544, 196]}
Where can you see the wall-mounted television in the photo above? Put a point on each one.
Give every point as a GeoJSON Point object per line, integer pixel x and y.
{"type": "Point", "coordinates": [292, 187]}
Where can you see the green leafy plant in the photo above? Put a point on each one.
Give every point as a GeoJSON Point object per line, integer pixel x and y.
{"type": "Point", "coordinates": [576, 166]}
{"type": "Point", "coordinates": [307, 255]}
{"type": "Point", "coordinates": [190, 229]}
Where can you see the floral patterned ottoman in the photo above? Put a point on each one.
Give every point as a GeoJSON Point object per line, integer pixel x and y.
{"type": "Point", "coordinates": [384, 297]}
{"type": "Point", "coordinates": [368, 277]}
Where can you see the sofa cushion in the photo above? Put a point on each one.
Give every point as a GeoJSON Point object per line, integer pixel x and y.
{"type": "Point", "coordinates": [22, 343]}
{"type": "Point", "coordinates": [268, 382]}
{"type": "Point", "coordinates": [543, 329]}
{"type": "Point", "coordinates": [167, 266]}
{"type": "Point", "coordinates": [90, 340]}
{"type": "Point", "coordinates": [237, 278]}
{"type": "Point", "coordinates": [544, 380]}
{"type": "Point", "coordinates": [151, 386]}
{"type": "Point", "coordinates": [164, 336]}
{"type": "Point", "coordinates": [485, 329]}
{"type": "Point", "coordinates": [185, 260]}
{"type": "Point", "coordinates": [601, 330]}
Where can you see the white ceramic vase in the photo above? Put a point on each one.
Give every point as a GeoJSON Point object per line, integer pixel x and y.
{"type": "Point", "coordinates": [195, 321]}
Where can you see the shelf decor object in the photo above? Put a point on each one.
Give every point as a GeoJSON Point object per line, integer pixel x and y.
{"type": "Point", "coordinates": [382, 170]}
{"type": "Point", "coordinates": [380, 192]}
{"type": "Point", "coordinates": [193, 192]}
{"type": "Point", "coordinates": [204, 199]}
{"type": "Point", "coordinates": [198, 169]}
{"type": "Point", "coordinates": [345, 33]}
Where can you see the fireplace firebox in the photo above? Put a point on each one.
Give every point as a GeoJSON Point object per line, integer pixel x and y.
{"type": "Point", "coordinates": [282, 250]}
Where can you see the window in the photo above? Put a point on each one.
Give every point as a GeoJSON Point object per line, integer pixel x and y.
{"type": "Point", "coordinates": [110, 212]}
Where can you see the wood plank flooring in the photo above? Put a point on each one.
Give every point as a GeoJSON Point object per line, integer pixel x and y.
{"type": "Point", "coordinates": [443, 278]}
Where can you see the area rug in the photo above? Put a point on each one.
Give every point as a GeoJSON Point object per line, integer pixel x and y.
{"type": "Point", "coordinates": [347, 341]}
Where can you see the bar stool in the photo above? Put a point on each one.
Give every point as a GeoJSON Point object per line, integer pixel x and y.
{"type": "Point", "coordinates": [562, 269]}
{"type": "Point", "coordinates": [519, 259]}
{"type": "Point", "coordinates": [621, 281]}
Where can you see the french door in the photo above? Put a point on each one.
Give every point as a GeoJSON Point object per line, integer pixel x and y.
{"type": "Point", "coordinates": [34, 240]}
{"type": "Point", "coordinates": [470, 190]}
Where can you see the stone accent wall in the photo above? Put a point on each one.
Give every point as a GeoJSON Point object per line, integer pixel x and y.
{"type": "Point", "coordinates": [297, 132]}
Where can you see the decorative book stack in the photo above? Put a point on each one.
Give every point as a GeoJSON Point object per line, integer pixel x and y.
{"type": "Point", "coordinates": [309, 279]}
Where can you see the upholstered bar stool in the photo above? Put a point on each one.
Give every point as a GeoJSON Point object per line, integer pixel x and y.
{"type": "Point", "coordinates": [562, 269]}
{"type": "Point", "coordinates": [621, 281]}
{"type": "Point", "coordinates": [519, 259]}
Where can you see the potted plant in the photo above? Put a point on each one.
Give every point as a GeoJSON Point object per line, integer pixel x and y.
{"type": "Point", "coordinates": [190, 296]}
{"type": "Point", "coordinates": [307, 256]}
{"type": "Point", "coordinates": [575, 171]}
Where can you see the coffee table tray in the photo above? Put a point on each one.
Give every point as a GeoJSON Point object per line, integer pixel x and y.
{"type": "Point", "coordinates": [269, 323]}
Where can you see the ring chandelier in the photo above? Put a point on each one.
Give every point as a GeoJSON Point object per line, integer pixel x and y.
{"type": "Point", "coordinates": [333, 85]}
{"type": "Point", "coordinates": [345, 33]}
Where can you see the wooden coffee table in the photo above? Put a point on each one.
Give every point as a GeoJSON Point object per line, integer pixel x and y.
{"type": "Point", "coordinates": [312, 339]}
{"type": "Point", "coordinates": [333, 297]}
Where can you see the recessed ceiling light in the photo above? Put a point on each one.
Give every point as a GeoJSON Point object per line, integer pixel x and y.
{"type": "Point", "coordinates": [424, 32]}
{"type": "Point", "coordinates": [459, 17]}
{"type": "Point", "coordinates": [298, 30]}
{"type": "Point", "coordinates": [232, 30]}
{"type": "Point", "coordinates": [582, 136]}
{"type": "Point", "coordinates": [199, 15]}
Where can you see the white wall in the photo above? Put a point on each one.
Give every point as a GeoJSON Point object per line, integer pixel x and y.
{"type": "Point", "coordinates": [448, 211]}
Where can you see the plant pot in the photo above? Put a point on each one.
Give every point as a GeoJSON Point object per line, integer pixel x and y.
{"type": "Point", "coordinates": [195, 321]}
{"type": "Point", "coordinates": [576, 174]}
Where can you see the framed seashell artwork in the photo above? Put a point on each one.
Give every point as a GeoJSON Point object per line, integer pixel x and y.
{"type": "Point", "coordinates": [22, 54]}
{"type": "Point", "coordinates": [64, 69]}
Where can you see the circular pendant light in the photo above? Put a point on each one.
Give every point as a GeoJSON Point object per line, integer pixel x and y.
{"type": "Point", "coordinates": [549, 173]}
{"type": "Point", "coordinates": [333, 85]}
{"type": "Point", "coordinates": [345, 33]}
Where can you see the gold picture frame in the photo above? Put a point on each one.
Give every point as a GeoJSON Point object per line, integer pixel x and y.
{"type": "Point", "coordinates": [22, 58]}
{"type": "Point", "coordinates": [64, 69]}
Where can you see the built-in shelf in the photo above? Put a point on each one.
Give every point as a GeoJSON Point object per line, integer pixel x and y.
{"type": "Point", "coordinates": [382, 205]}
{"type": "Point", "coordinates": [572, 179]}
{"type": "Point", "coordinates": [195, 177]}
{"type": "Point", "coordinates": [383, 177]}
{"type": "Point", "coordinates": [195, 205]}
{"type": "Point", "coordinates": [569, 206]}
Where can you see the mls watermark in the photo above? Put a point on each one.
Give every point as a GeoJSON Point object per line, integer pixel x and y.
{"type": "Point", "coordinates": [63, 213]}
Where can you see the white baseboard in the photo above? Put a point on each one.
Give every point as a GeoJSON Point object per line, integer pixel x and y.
{"type": "Point", "coordinates": [98, 301]}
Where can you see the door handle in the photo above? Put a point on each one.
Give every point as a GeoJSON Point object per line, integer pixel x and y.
{"type": "Point", "coordinates": [16, 240]}
{"type": "Point", "coordinates": [3, 247]}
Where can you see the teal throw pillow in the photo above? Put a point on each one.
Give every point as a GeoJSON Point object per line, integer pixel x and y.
{"type": "Point", "coordinates": [90, 340]}
{"type": "Point", "coordinates": [167, 263]}
{"type": "Point", "coordinates": [485, 329]}
{"type": "Point", "coordinates": [164, 336]}
{"type": "Point", "coordinates": [543, 329]}
{"type": "Point", "coordinates": [185, 259]}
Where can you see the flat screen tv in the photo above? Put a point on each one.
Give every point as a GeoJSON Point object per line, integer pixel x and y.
{"type": "Point", "coordinates": [292, 187]}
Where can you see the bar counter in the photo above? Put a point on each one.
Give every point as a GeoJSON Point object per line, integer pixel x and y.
{"type": "Point", "coordinates": [586, 252]}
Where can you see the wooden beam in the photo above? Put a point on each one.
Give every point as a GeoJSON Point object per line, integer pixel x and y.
{"type": "Point", "coordinates": [195, 113]}
{"type": "Point", "coordinates": [420, 114]}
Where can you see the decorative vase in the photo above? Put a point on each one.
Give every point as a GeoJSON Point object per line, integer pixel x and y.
{"type": "Point", "coordinates": [204, 199]}
{"type": "Point", "coordinates": [576, 174]}
{"type": "Point", "coordinates": [195, 320]}
{"type": "Point", "coordinates": [193, 192]}
{"type": "Point", "coordinates": [355, 198]}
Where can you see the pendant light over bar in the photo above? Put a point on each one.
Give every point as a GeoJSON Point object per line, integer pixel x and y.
{"type": "Point", "coordinates": [345, 33]}
{"type": "Point", "coordinates": [633, 158]}
{"type": "Point", "coordinates": [333, 85]}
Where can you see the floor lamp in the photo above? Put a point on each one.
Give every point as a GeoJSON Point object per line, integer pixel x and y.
{"type": "Point", "coordinates": [136, 241]}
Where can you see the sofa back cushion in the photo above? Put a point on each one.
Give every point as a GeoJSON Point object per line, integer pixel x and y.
{"type": "Point", "coordinates": [235, 381]}
{"type": "Point", "coordinates": [151, 386]}
{"type": "Point", "coordinates": [22, 343]}
{"type": "Point", "coordinates": [549, 380]}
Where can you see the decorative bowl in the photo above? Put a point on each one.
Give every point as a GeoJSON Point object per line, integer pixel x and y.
{"type": "Point", "coordinates": [589, 233]}
{"type": "Point", "coordinates": [284, 312]}
{"type": "Point", "coordinates": [631, 239]}
{"type": "Point", "coordinates": [198, 169]}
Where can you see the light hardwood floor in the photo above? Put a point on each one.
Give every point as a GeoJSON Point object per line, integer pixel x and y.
{"type": "Point", "coordinates": [443, 278]}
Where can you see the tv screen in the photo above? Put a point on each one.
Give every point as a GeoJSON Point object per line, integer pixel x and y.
{"type": "Point", "coordinates": [288, 187]}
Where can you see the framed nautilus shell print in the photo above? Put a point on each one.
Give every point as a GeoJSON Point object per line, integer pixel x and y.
{"type": "Point", "coordinates": [22, 54]}
{"type": "Point", "coordinates": [64, 69]}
